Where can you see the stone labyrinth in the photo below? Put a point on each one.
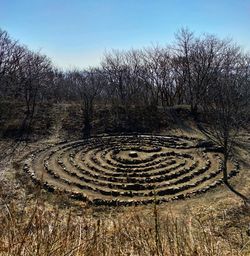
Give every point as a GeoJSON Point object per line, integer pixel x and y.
{"type": "Point", "coordinates": [128, 170]}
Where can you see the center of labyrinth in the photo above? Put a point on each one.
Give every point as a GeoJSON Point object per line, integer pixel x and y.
{"type": "Point", "coordinates": [128, 170]}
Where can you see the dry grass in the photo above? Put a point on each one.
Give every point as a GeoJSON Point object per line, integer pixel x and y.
{"type": "Point", "coordinates": [32, 227]}
{"type": "Point", "coordinates": [38, 223]}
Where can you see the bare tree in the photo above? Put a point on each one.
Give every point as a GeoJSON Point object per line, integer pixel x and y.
{"type": "Point", "coordinates": [153, 62]}
{"type": "Point", "coordinates": [10, 56]}
{"type": "Point", "coordinates": [32, 76]}
{"type": "Point", "coordinates": [89, 85]}
{"type": "Point", "coordinates": [195, 62]}
{"type": "Point", "coordinates": [227, 104]}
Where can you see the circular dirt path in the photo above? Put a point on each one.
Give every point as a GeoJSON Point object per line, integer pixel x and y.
{"type": "Point", "coordinates": [103, 171]}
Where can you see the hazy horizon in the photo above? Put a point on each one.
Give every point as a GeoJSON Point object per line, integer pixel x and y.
{"type": "Point", "coordinates": [77, 33]}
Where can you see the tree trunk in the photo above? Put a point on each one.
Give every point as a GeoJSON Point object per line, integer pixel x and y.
{"type": "Point", "coordinates": [88, 111]}
{"type": "Point", "coordinates": [229, 186]}
{"type": "Point", "coordinates": [194, 110]}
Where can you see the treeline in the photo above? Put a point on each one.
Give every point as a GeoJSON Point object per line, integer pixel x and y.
{"type": "Point", "coordinates": [191, 71]}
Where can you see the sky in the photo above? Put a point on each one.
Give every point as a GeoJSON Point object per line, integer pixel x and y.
{"type": "Point", "coordinates": [76, 33]}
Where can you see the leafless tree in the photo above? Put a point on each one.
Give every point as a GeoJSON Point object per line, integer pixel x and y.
{"type": "Point", "coordinates": [32, 76]}
{"type": "Point", "coordinates": [196, 60]}
{"type": "Point", "coordinates": [227, 104]}
{"type": "Point", "coordinates": [88, 85]}
{"type": "Point", "coordinates": [10, 56]}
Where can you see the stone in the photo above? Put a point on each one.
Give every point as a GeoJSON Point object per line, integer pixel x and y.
{"type": "Point", "coordinates": [133, 154]}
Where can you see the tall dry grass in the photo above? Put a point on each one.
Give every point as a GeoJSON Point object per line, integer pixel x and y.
{"type": "Point", "coordinates": [33, 228]}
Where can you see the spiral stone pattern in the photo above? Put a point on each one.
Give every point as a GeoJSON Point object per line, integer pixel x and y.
{"type": "Point", "coordinates": [128, 170]}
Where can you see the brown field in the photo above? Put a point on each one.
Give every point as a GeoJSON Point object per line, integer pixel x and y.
{"type": "Point", "coordinates": [38, 222]}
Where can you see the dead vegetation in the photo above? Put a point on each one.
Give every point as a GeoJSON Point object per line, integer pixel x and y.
{"type": "Point", "coordinates": [35, 222]}
{"type": "Point", "coordinates": [35, 228]}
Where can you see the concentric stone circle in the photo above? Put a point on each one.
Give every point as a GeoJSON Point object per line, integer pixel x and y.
{"type": "Point", "coordinates": [128, 169]}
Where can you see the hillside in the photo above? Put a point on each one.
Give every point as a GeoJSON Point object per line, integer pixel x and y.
{"type": "Point", "coordinates": [35, 221]}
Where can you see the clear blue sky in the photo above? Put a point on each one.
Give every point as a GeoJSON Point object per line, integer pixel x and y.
{"type": "Point", "coordinates": [75, 33]}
